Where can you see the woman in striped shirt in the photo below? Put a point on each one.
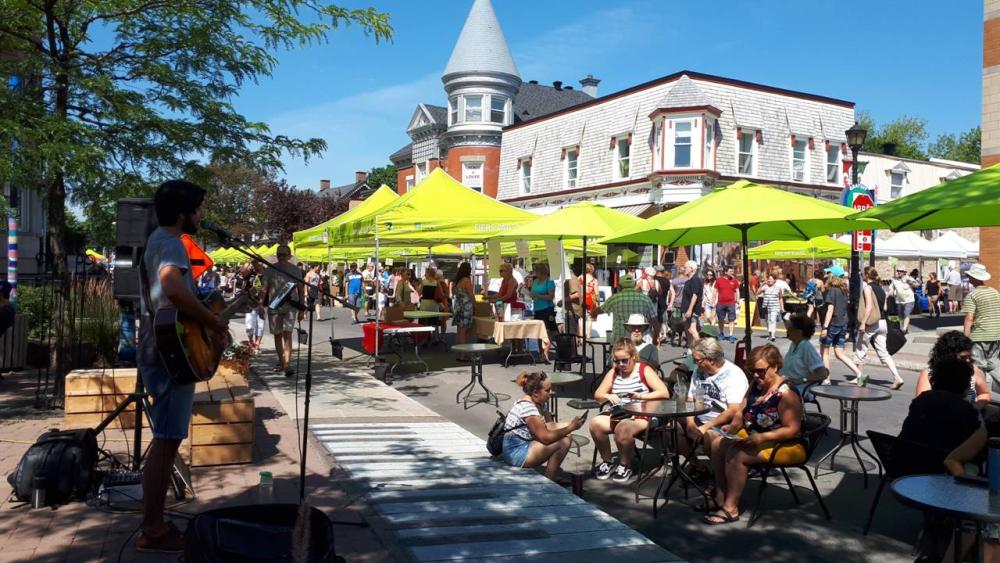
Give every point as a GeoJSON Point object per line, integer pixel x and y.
{"type": "Point", "coordinates": [628, 380]}
{"type": "Point", "coordinates": [774, 304]}
{"type": "Point", "coordinates": [531, 436]}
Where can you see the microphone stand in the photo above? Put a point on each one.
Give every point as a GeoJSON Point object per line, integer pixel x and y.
{"type": "Point", "coordinates": [236, 243]}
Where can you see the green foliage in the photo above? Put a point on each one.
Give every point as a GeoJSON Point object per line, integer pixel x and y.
{"type": "Point", "coordinates": [234, 196]}
{"type": "Point", "coordinates": [908, 133]}
{"type": "Point", "coordinates": [383, 175]}
{"type": "Point", "coordinates": [965, 148]}
{"type": "Point", "coordinates": [98, 316]}
{"type": "Point", "coordinates": [36, 304]}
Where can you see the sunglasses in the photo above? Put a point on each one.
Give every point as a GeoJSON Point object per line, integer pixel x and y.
{"type": "Point", "coordinates": [637, 328]}
{"type": "Point", "coordinates": [759, 371]}
{"type": "Point", "coordinates": [620, 362]}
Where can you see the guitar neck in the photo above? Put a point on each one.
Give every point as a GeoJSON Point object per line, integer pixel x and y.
{"type": "Point", "coordinates": [231, 311]}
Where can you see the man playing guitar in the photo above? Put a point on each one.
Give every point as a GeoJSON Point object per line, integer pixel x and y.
{"type": "Point", "coordinates": [167, 275]}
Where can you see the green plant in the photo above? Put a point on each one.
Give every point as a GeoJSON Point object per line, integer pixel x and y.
{"type": "Point", "coordinates": [36, 303]}
{"type": "Point", "coordinates": [98, 317]}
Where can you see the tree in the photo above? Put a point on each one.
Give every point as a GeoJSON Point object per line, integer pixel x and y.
{"type": "Point", "coordinates": [965, 148]}
{"type": "Point", "coordinates": [907, 133]}
{"type": "Point", "coordinates": [233, 199]}
{"type": "Point", "coordinates": [121, 94]}
{"type": "Point", "coordinates": [287, 209]}
{"type": "Point", "coordinates": [383, 175]}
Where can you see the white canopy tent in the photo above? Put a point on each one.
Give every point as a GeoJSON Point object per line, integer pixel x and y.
{"type": "Point", "coordinates": [909, 244]}
{"type": "Point", "coordinates": [952, 241]}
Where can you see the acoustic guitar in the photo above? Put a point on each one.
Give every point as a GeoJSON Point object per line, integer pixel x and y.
{"type": "Point", "coordinates": [187, 347]}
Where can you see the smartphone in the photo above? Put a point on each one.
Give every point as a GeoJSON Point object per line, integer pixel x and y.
{"type": "Point", "coordinates": [585, 415]}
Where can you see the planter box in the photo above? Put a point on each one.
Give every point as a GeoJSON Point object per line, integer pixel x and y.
{"type": "Point", "coordinates": [91, 394]}
{"type": "Point", "coordinates": [222, 420]}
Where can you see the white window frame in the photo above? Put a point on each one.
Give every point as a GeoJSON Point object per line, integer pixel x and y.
{"type": "Point", "coordinates": [482, 169]}
{"type": "Point", "coordinates": [465, 113]}
{"type": "Point", "coordinates": [421, 172]}
{"type": "Point", "coordinates": [838, 164]}
{"type": "Point", "coordinates": [690, 144]}
{"type": "Point", "coordinates": [657, 144]}
{"type": "Point", "coordinates": [525, 179]}
{"type": "Point", "coordinates": [410, 181]}
{"type": "Point", "coordinates": [709, 150]}
{"type": "Point", "coordinates": [571, 174]}
{"type": "Point", "coordinates": [752, 133]}
{"type": "Point", "coordinates": [805, 160]}
{"type": "Point", "coordinates": [503, 120]}
{"type": "Point", "coordinates": [896, 190]}
{"type": "Point", "coordinates": [619, 162]}
{"type": "Point", "coordinates": [453, 113]}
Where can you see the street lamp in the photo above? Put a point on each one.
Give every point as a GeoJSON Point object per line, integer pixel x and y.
{"type": "Point", "coordinates": [855, 138]}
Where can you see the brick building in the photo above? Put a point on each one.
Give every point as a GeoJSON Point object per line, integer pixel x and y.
{"type": "Point", "coordinates": [989, 238]}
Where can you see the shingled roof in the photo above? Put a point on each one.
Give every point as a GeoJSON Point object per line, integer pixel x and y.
{"type": "Point", "coordinates": [684, 94]}
{"type": "Point", "coordinates": [535, 100]}
{"type": "Point", "coordinates": [481, 47]}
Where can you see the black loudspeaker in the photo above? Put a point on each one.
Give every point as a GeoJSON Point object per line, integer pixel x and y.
{"type": "Point", "coordinates": [257, 533]}
{"type": "Point", "coordinates": [136, 220]}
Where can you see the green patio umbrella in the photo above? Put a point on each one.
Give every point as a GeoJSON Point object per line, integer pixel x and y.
{"type": "Point", "coordinates": [742, 212]}
{"type": "Point", "coordinates": [969, 201]}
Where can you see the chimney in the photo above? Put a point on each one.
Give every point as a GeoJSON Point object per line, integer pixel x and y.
{"type": "Point", "coordinates": [589, 85]}
{"type": "Point", "coordinates": [360, 177]}
{"type": "Point", "coordinates": [557, 84]}
{"type": "Point", "coordinates": [567, 87]}
{"type": "Point", "coordinates": [532, 82]}
{"type": "Point", "coordinates": [324, 185]}
{"type": "Point", "coordinates": [889, 149]}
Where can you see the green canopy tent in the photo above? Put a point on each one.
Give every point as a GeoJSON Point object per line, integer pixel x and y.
{"type": "Point", "coordinates": [319, 236]}
{"type": "Point", "coordinates": [742, 212]}
{"type": "Point", "coordinates": [969, 201]}
{"type": "Point", "coordinates": [582, 220]}
{"type": "Point", "coordinates": [816, 247]}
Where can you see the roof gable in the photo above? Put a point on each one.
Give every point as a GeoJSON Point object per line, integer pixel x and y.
{"type": "Point", "coordinates": [685, 94]}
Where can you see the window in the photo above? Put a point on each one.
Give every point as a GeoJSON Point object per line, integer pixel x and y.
{"type": "Point", "coordinates": [657, 131]}
{"type": "Point", "coordinates": [833, 163]}
{"type": "Point", "coordinates": [622, 152]}
{"type": "Point", "coordinates": [409, 182]}
{"type": "Point", "coordinates": [572, 164]}
{"type": "Point", "coordinates": [453, 111]}
{"type": "Point", "coordinates": [747, 150]}
{"type": "Point", "coordinates": [421, 171]}
{"type": "Point", "coordinates": [526, 175]}
{"type": "Point", "coordinates": [473, 109]}
{"type": "Point", "coordinates": [709, 144]}
{"type": "Point", "coordinates": [472, 174]}
{"type": "Point", "coordinates": [896, 184]}
{"type": "Point", "coordinates": [682, 144]}
{"type": "Point", "coordinates": [800, 168]}
{"type": "Point", "coordinates": [498, 109]}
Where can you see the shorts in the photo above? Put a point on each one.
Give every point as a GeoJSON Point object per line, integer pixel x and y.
{"type": "Point", "coordinates": [726, 313]}
{"type": "Point", "coordinates": [515, 450]}
{"type": "Point", "coordinates": [790, 453]}
{"type": "Point", "coordinates": [170, 413]}
{"type": "Point", "coordinates": [352, 299]}
{"type": "Point", "coordinates": [905, 309]}
{"type": "Point", "coordinates": [254, 322]}
{"type": "Point", "coordinates": [281, 321]}
{"type": "Point", "coordinates": [955, 293]}
{"type": "Point", "coordinates": [835, 336]}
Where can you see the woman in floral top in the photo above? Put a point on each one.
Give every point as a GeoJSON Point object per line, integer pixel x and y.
{"type": "Point", "coordinates": [772, 414]}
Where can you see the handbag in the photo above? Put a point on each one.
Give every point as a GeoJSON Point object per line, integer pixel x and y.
{"type": "Point", "coordinates": [895, 338]}
{"type": "Point", "coordinates": [494, 440]}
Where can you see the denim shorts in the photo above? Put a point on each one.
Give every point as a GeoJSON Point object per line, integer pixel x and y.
{"type": "Point", "coordinates": [726, 312]}
{"type": "Point", "coordinates": [835, 336]}
{"type": "Point", "coordinates": [515, 450]}
{"type": "Point", "coordinates": [170, 413]}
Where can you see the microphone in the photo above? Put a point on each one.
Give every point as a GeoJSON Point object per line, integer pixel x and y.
{"type": "Point", "coordinates": [218, 231]}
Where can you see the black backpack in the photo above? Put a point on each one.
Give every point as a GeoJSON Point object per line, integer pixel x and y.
{"type": "Point", "coordinates": [65, 459]}
{"type": "Point", "coordinates": [494, 441]}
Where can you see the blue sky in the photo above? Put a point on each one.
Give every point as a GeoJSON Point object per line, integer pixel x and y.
{"type": "Point", "coordinates": [891, 58]}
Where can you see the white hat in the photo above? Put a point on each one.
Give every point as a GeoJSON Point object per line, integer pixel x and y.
{"type": "Point", "coordinates": [650, 271]}
{"type": "Point", "coordinates": [636, 319]}
{"type": "Point", "coordinates": [979, 272]}
{"type": "Point", "coordinates": [691, 264]}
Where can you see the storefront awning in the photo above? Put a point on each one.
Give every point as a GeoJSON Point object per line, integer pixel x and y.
{"type": "Point", "coordinates": [635, 210]}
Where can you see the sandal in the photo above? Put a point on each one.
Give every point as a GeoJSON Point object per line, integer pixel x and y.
{"type": "Point", "coordinates": [708, 503]}
{"type": "Point", "coordinates": [719, 519]}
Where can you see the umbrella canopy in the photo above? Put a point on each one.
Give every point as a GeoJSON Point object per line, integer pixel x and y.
{"type": "Point", "coordinates": [577, 221]}
{"type": "Point", "coordinates": [318, 236]}
{"type": "Point", "coordinates": [816, 247]}
{"type": "Point", "coordinates": [95, 254]}
{"type": "Point", "coordinates": [742, 212]}
{"type": "Point", "coordinates": [969, 201]}
{"type": "Point", "coordinates": [438, 209]}
{"type": "Point", "coordinates": [950, 240]}
{"type": "Point", "coordinates": [763, 212]}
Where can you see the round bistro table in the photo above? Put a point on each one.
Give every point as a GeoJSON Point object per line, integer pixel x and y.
{"type": "Point", "coordinates": [476, 352]}
{"type": "Point", "coordinates": [849, 397]}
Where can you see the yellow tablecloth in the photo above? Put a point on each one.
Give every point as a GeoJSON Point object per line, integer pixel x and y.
{"type": "Point", "coordinates": [520, 329]}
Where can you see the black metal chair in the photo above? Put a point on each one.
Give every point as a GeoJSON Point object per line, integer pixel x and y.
{"type": "Point", "coordinates": [813, 425]}
{"type": "Point", "coordinates": [568, 353]}
{"type": "Point", "coordinates": [900, 458]}
{"type": "Point", "coordinates": [812, 400]}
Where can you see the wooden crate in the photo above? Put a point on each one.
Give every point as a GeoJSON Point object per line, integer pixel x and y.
{"type": "Point", "coordinates": [222, 421]}
{"type": "Point", "coordinates": [91, 394]}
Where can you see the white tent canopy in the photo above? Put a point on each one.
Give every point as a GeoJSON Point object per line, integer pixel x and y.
{"type": "Point", "coordinates": [952, 242]}
{"type": "Point", "coordinates": [909, 244]}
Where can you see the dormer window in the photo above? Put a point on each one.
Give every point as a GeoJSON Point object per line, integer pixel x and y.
{"type": "Point", "coordinates": [832, 163]}
{"type": "Point", "coordinates": [896, 184]}
{"type": "Point", "coordinates": [682, 144]}
{"type": "Point", "coordinates": [622, 145]}
{"type": "Point", "coordinates": [473, 109]}
{"type": "Point", "coordinates": [747, 158]}
{"type": "Point", "coordinates": [800, 160]}
{"type": "Point", "coordinates": [572, 163]}
{"type": "Point", "coordinates": [525, 165]}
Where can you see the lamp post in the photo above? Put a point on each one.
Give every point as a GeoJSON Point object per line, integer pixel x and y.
{"type": "Point", "coordinates": [855, 138]}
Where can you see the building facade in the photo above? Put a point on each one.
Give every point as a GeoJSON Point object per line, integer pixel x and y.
{"type": "Point", "coordinates": [989, 237]}
{"type": "Point", "coordinates": [893, 177]}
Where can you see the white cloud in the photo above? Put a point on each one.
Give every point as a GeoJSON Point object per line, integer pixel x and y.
{"type": "Point", "coordinates": [361, 130]}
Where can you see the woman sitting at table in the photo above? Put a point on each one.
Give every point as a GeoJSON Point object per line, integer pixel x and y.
{"type": "Point", "coordinates": [950, 345]}
{"type": "Point", "coordinates": [628, 380]}
{"type": "Point", "coordinates": [803, 366]}
{"type": "Point", "coordinates": [970, 453]}
{"type": "Point", "coordinates": [531, 437]}
{"type": "Point", "coordinates": [771, 415]}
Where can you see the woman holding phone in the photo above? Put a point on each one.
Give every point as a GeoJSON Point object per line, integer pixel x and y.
{"type": "Point", "coordinates": [628, 380]}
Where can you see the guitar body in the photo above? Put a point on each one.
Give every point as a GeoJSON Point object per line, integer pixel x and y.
{"type": "Point", "coordinates": [187, 348]}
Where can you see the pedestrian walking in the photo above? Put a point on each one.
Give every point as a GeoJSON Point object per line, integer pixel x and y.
{"type": "Point", "coordinates": [727, 288]}
{"type": "Point", "coordinates": [834, 334]}
{"type": "Point", "coordinates": [627, 302]}
{"type": "Point", "coordinates": [933, 290]}
{"type": "Point", "coordinates": [873, 328]}
{"type": "Point", "coordinates": [692, 299]}
{"type": "Point", "coordinates": [282, 320]}
{"type": "Point", "coordinates": [955, 295]}
{"type": "Point", "coordinates": [982, 323]}
{"type": "Point", "coordinates": [902, 291]}
{"type": "Point", "coordinates": [354, 281]}
{"type": "Point", "coordinates": [710, 297]}
{"type": "Point", "coordinates": [774, 304]}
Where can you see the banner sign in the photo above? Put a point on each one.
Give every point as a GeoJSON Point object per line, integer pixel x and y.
{"type": "Point", "coordinates": [860, 198]}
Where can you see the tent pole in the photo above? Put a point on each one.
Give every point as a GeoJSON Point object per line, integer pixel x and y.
{"type": "Point", "coordinates": [746, 285]}
{"type": "Point", "coordinates": [378, 283]}
{"type": "Point", "coordinates": [583, 321]}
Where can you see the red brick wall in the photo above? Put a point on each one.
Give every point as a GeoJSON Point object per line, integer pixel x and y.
{"type": "Point", "coordinates": [989, 240]}
{"type": "Point", "coordinates": [401, 174]}
{"type": "Point", "coordinates": [491, 166]}
{"type": "Point", "coordinates": [989, 237]}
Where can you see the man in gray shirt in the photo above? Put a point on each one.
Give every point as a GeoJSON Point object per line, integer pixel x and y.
{"type": "Point", "coordinates": [282, 319]}
{"type": "Point", "coordinates": [167, 275]}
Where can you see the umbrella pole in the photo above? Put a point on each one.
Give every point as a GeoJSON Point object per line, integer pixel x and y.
{"type": "Point", "coordinates": [746, 286]}
{"type": "Point", "coordinates": [583, 321]}
{"type": "Point", "coordinates": [378, 283]}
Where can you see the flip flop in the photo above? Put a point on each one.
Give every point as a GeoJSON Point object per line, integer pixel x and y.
{"type": "Point", "coordinates": [719, 518]}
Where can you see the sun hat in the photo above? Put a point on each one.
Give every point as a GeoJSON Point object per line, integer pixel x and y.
{"type": "Point", "coordinates": [835, 270]}
{"type": "Point", "coordinates": [979, 272]}
{"type": "Point", "coordinates": [659, 268]}
{"type": "Point", "coordinates": [650, 271]}
{"type": "Point", "coordinates": [708, 331]}
{"type": "Point", "coordinates": [627, 281]}
{"type": "Point", "coordinates": [636, 319]}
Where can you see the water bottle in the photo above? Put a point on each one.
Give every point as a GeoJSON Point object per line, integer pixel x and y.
{"type": "Point", "coordinates": [265, 490]}
{"type": "Point", "coordinates": [993, 466]}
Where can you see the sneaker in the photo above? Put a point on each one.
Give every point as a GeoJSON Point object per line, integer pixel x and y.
{"type": "Point", "coordinates": [622, 474]}
{"type": "Point", "coordinates": [862, 380]}
{"type": "Point", "coordinates": [603, 470]}
{"type": "Point", "coordinates": [172, 541]}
